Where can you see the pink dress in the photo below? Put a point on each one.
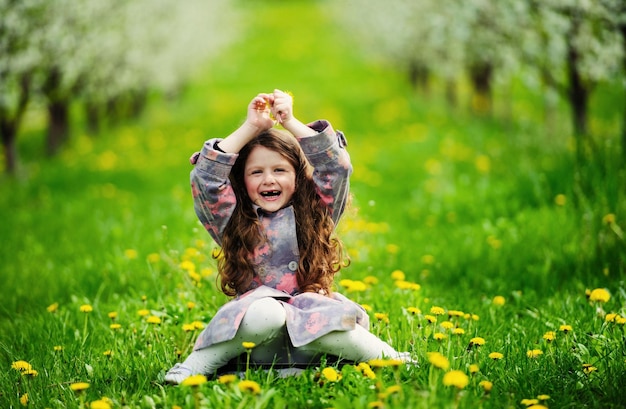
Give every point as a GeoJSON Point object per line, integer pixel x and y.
{"type": "Point", "coordinates": [309, 315]}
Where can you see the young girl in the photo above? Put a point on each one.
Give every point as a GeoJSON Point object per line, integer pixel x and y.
{"type": "Point", "coordinates": [271, 199]}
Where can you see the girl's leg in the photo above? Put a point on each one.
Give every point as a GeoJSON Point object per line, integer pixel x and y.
{"type": "Point", "coordinates": [358, 345]}
{"type": "Point", "coordinates": [263, 322]}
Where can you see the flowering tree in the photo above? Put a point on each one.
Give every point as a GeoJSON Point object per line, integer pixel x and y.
{"type": "Point", "coordinates": [574, 45]}
{"type": "Point", "coordinates": [98, 51]}
{"type": "Point", "coordinates": [566, 45]}
{"type": "Point", "coordinates": [18, 61]}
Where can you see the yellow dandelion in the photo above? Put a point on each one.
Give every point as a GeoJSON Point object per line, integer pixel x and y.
{"type": "Point", "coordinates": [543, 397]}
{"type": "Point", "coordinates": [370, 280]}
{"type": "Point", "coordinates": [249, 386]}
{"type": "Point", "coordinates": [392, 248]}
{"type": "Point", "coordinates": [143, 313]}
{"type": "Point", "coordinates": [154, 258]}
{"type": "Point", "coordinates": [455, 313]}
{"type": "Point", "coordinates": [382, 363]}
{"type": "Point", "coordinates": [438, 360]}
{"type": "Point", "coordinates": [496, 356]}
{"type": "Point", "coordinates": [53, 307]}
{"type": "Point", "coordinates": [365, 369]}
{"type": "Point", "coordinates": [79, 386]}
{"type": "Point", "coordinates": [86, 308]}
{"type": "Point", "coordinates": [438, 336]}
{"type": "Point", "coordinates": [608, 218]}
{"type": "Point", "coordinates": [456, 378]}
{"type": "Point", "coordinates": [537, 406]}
{"type": "Point", "coordinates": [21, 366]}
{"type": "Point", "coordinates": [588, 368]}
{"type": "Point", "coordinates": [437, 310]}
{"type": "Point", "coordinates": [130, 254]}
{"type": "Point", "coordinates": [30, 372]}
{"type": "Point", "coordinates": [599, 295]}
{"type": "Point", "coordinates": [100, 404]}
{"type": "Point", "coordinates": [610, 317]}
{"type": "Point", "coordinates": [108, 353]}
{"type": "Point", "coordinates": [330, 374]}
{"type": "Point", "coordinates": [499, 300]}
{"type": "Point", "coordinates": [393, 389]}
{"type": "Point", "coordinates": [153, 319]}
{"type": "Point", "coordinates": [430, 318]}
{"type": "Point", "coordinates": [447, 325]}
{"type": "Point", "coordinates": [398, 275]}
{"type": "Point", "coordinates": [549, 336]}
{"type": "Point", "coordinates": [188, 327]}
{"type": "Point", "coordinates": [560, 200]}
{"type": "Point", "coordinates": [58, 348]}
{"type": "Point", "coordinates": [367, 307]}
{"type": "Point", "coordinates": [413, 310]}
{"type": "Point", "coordinates": [407, 285]}
{"type": "Point", "coordinates": [474, 369]}
{"type": "Point", "coordinates": [227, 379]}
{"type": "Point", "coordinates": [194, 380]}
{"type": "Point", "coordinates": [565, 328]}
{"type": "Point", "coordinates": [534, 353]}
{"type": "Point", "coordinates": [115, 326]}
{"type": "Point", "coordinates": [198, 324]}
{"type": "Point", "coordinates": [112, 315]}
{"type": "Point", "coordinates": [382, 317]}
{"type": "Point", "coordinates": [191, 305]}
{"type": "Point", "coordinates": [187, 265]}
{"type": "Point", "coordinates": [483, 163]}
{"type": "Point", "coordinates": [24, 399]}
{"type": "Point", "coordinates": [529, 402]}
{"type": "Point", "coordinates": [248, 345]}
{"type": "Point", "coordinates": [477, 341]}
{"type": "Point", "coordinates": [458, 331]}
{"type": "Point", "coordinates": [620, 320]}
{"type": "Point", "coordinates": [486, 385]}
{"type": "Point", "coordinates": [376, 404]}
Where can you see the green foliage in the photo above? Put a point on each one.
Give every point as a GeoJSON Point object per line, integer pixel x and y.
{"type": "Point", "coordinates": [463, 208]}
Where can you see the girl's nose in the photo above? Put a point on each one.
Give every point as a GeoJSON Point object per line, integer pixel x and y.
{"type": "Point", "coordinates": [269, 179]}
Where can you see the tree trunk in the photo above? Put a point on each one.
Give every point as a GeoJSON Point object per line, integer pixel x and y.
{"type": "Point", "coordinates": [451, 95]}
{"type": "Point", "coordinates": [58, 112]}
{"type": "Point", "coordinates": [578, 98]}
{"type": "Point", "coordinates": [622, 29]}
{"type": "Point", "coordinates": [418, 76]}
{"type": "Point", "coordinates": [9, 136]}
{"type": "Point", "coordinates": [9, 125]}
{"type": "Point", "coordinates": [93, 114]}
{"type": "Point", "coordinates": [58, 125]}
{"type": "Point", "coordinates": [481, 75]}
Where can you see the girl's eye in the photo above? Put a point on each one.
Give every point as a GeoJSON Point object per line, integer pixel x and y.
{"type": "Point", "coordinates": [255, 172]}
{"type": "Point", "coordinates": [279, 170]}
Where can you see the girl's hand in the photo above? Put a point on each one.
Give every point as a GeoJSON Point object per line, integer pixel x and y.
{"type": "Point", "coordinates": [259, 112]}
{"type": "Point", "coordinates": [282, 106]}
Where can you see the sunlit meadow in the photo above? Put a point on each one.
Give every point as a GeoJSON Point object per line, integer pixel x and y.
{"type": "Point", "coordinates": [475, 245]}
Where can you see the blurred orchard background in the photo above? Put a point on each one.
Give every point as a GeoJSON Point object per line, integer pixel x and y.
{"type": "Point", "coordinates": [108, 57]}
{"type": "Point", "coordinates": [488, 139]}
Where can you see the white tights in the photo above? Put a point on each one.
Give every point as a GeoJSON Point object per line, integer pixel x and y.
{"type": "Point", "coordinates": [264, 324]}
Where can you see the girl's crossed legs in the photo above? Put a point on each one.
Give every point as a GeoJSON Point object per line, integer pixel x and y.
{"type": "Point", "coordinates": [265, 325]}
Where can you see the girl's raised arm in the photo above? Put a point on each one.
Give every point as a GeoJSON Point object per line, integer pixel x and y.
{"type": "Point", "coordinates": [257, 120]}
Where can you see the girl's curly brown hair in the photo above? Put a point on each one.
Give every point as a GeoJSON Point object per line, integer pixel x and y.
{"type": "Point", "coordinates": [321, 252]}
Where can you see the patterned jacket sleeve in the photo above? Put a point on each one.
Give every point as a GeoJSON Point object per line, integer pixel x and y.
{"type": "Point", "coordinates": [331, 162]}
{"type": "Point", "coordinates": [213, 196]}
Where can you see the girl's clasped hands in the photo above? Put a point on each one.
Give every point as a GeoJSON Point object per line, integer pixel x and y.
{"type": "Point", "coordinates": [267, 109]}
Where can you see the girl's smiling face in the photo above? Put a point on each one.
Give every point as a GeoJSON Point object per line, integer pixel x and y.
{"type": "Point", "coordinates": [270, 179]}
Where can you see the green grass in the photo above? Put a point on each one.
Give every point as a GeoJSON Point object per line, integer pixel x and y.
{"type": "Point", "coordinates": [110, 222]}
